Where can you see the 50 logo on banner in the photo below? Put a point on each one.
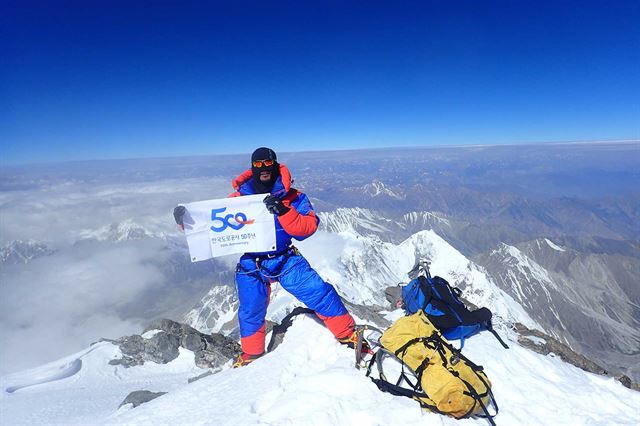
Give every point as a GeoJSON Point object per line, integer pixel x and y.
{"type": "Point", "coordinates": [239, 218]}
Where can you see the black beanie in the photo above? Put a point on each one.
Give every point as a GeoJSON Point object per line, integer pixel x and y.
{"type": "Point", "coordinates": [264, 154]}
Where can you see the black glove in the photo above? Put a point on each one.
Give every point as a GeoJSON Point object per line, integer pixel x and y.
{"type": "Point", "coordinates": [178, 214]}
{"type": "Point", "coordinates": [275, 205]}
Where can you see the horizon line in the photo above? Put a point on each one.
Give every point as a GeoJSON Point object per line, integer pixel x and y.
{"type": "Point", "coordinates": [452, 146]}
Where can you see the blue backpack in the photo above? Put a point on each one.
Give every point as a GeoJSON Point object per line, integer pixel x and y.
{"type": "Point", "coordinates": [445, 310]}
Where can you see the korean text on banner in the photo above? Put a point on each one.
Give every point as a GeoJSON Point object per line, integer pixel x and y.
{"type": "Point", "coordinates": [228, 226]}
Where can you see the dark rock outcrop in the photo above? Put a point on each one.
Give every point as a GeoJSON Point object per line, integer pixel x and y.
{"type": "Point", "coordinates": [210, 351]}
{"type": "Point", "coordinates": [393, 294]}
{"type": "Point", "coordinates": [368, 313]}
{"type": "Point", "coordinates": [544, 344]}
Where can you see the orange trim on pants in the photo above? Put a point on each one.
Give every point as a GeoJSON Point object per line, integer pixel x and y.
{"type": "Point", "coordinates": [341, 326]}
{"type": "Point", "coordinates": [254, 344]}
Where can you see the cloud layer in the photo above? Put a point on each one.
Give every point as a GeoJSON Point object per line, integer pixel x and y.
{"type": "Point", "coordinates": [98, 280]}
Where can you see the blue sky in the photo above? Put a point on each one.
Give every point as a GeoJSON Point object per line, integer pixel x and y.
{"type": "Point", "coordinates": [122, 79]}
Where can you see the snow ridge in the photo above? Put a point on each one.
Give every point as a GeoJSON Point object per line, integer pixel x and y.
{"type": "Point", "coordinates": [18, 251]}
{"type": "Point", "coordinates": [216, 309]}
{"type": "Point", "coordinates": [126, 230]}
{"type": "Point", "coordinates": [424, 217]}
{"type": "Point", "coordinates": [310, 379]}
{"type": "Point", "coordinates": [378, 189]}
{"type": "Point", "coordinates": [361, 267]}
{"type": "Point", "coordinates": [554, 246]}
{"type": "Point", "coordinates": [355, 219]}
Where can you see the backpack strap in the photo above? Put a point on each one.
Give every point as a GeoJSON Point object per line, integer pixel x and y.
{"type": "Point", "coordinates": [416, 392]}
{"type": "Point", "coordinates": [490, 328]}
{"type": "Point", "coordinates": [384, 385]}
{"type": "Point", "coordinates": [425, 288]}
{"type": "Point", "coordinates": [472, 392]}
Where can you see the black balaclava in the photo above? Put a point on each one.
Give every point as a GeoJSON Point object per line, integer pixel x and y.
{"type": "Point", "coordinates": [264, 154]}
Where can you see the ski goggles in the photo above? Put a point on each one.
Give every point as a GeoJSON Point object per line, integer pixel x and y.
{"type": "Point", "coordinates": [263, 163]}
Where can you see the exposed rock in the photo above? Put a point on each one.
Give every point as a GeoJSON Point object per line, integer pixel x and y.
{"type": "Point", "coordinates": [210, 351]}
{"type": "Point", "coordinates": [211, 314]}
{"type": "Point", "coordinates": [393, 294]}
{"type": "Point", "coordinates": [627, 382]}
{"type": "Point", "coordinates": [217, 350]}
{"type": "Point", "coordinates": [583, 290]}
{"type": "Point", "coordinates": [140, 397]}
{"type": "Point", "coordinates": [369, 313]}
{"type": "Point", "coordinates": [544, 344]}
{"type": "Point", "coordinates": [161, 348]}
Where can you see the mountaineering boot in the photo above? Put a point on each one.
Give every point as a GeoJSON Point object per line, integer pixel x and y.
{"type": "Point", "coordinates": [352, 342]}
{"type": "Point", "coordinates": [245, 359]}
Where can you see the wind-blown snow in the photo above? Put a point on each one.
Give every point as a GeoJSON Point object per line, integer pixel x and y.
{"type": "Point", "coordinates": [310, 379]}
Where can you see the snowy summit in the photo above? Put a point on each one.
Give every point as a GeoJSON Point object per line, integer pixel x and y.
{"type": "Point", "coordinates": [308, 379]}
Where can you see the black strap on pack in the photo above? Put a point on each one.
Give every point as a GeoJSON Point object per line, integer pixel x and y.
{"type": "Point", "coordinates": [285, 324]}
{"type": "Point", "coordinates": [425, 288]}
{"type": "Point", "coordinates": [416, 392]}
{"type": "Point", "coordinates": [444, 298]}
{"type": "Point", "coordinates": [472, 392]}
{"type": "Point", "coordinates": [504, 345]}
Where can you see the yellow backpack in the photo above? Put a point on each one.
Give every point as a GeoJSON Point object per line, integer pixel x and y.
{"type": "Point", "coordinates": [444, 381]}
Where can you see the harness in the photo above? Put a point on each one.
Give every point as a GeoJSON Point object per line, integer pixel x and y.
{"type": "Point", "coordinates": [272, 275]}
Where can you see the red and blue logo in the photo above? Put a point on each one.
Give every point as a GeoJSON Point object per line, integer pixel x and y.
{"type": "Point", "coordinates": [234, 221]}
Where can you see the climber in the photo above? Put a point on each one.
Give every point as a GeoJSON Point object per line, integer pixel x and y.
{"type": "Point", "coordinates": [255, 272]}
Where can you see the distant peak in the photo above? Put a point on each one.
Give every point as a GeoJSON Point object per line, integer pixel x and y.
{"type": "Point", "coordinates": [377, 189]}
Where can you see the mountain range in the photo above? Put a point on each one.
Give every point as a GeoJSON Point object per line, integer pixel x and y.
{"type": "Point", "coordinates": [546, 235]}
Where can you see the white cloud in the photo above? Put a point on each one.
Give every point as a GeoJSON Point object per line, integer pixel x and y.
{"type": "Point", "coordinates": [58, 304]}
{"type": "Point", "coordinates": [59, 212]}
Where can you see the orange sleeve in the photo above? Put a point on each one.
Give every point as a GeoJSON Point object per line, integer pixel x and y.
{"type": "Point", "coordinates": [294, 223]}
{"type": "Point", "coordinates": [244, 177]}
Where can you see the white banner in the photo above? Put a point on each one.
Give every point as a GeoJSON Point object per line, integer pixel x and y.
{"type": "Point", "coordinates": [227, 226]}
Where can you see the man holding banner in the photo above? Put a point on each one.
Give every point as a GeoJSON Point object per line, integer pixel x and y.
{"type": "Point", "coordinates": [266, 259]}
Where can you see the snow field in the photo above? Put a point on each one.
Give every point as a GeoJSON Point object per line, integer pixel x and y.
{"type": "Point", "coordinates": [88, 395]}
{"type": "Point", "coordinates": [310, 379]}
